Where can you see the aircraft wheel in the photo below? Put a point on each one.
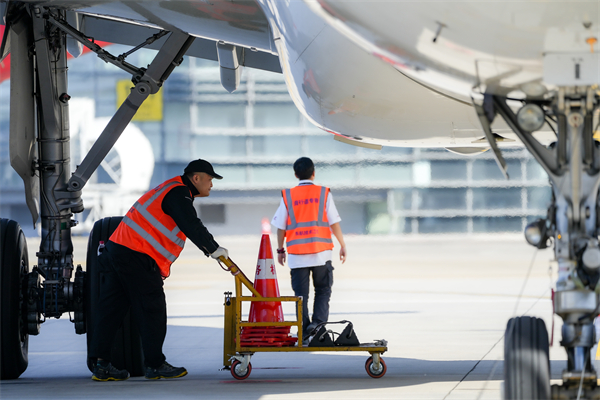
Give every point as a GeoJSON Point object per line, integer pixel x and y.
{"type": "Point", "coordinates": [526, 359]}
{"type": "Point", "coordinates": [372, 372]}
{"type": "Point", "coordinates": [127, 352]}
{"type": "Point", "coordinates": [237, 374]}
{"type": "Point", "coordinates": [14, 267]}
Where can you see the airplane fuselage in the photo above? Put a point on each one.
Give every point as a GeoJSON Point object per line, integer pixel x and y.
{"type": "Point", "coordinates": [342, 88]}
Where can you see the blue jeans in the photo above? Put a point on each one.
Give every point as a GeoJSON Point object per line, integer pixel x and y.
{"type": "Point", "coordinates": [322, 277]}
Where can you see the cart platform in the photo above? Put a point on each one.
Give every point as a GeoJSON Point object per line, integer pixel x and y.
{"type": "Point", "coordinates": [236, 358]}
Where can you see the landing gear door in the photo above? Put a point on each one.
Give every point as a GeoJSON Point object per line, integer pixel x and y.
{"type": "Point", "coordinates": [22, 142]}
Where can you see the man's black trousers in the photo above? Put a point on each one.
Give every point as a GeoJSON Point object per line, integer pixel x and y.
{"type": "Point", "coordinates": [322, 277]}
{"type": "Point", "coordinates": [130, 280]}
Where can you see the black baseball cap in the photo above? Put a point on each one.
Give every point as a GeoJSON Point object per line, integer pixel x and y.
{"type": "Point", "coordinates": [201, 166]}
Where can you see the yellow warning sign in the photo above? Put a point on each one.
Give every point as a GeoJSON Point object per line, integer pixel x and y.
{"type": "Point", "coordinates": [150, 110]}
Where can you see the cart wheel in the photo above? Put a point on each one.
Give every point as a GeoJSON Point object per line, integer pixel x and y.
{"type": "Point", "coordinates": [235, 366]}
{"type": "Point", "coordinates": [372, 372]}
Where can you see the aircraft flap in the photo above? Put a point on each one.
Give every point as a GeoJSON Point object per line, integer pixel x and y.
{"type": "Point", "coordinates": [113, 31]}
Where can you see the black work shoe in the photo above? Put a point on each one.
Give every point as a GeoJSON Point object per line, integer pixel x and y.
{"type": "Point", "coordinates": [106, 372]}
{"type": "Point", "coordinates": [166, 371]}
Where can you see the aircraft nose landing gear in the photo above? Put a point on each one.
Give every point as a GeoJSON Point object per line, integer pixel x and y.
{"type": "Point", "coordinates": [573, 222]}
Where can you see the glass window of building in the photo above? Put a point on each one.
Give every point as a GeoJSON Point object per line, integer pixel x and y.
{"type": "Point", "coordinates": [496, 198]}
{"type": "Point", "coordinates": [261, 76]}
{"type": "Point", "coordinates": [450, 170]}
{"type": "Point", "coordinates": [212, 213]}
{"type": "Point", "coordinates": [176, 117]}
{"type": "Point", "coordinates": [378, 219]}
{"type": "Point", "coordinates": [274, 176]}
{"type": "Point", "coordinates": [443, 225]}
{"type": "Point", "coordinates": [439, 199]}
{"type": "Point", "coordinates": [539, 198]}
{"type": "Point", "coordinates": [325, 145]}
{"type": "Point", "coordinates": [401, 225]}
{"type": "Point", "coordinates": [238, 146]}
{"type": "Point", "coordinates": [81, 65]}
{"type": "Point", "coordinates": [497, 224]}
{"type": "Point", "coordinates": [535, 171]}
{"type": "Point", "coordinates": [196, 63]}
{"type": "Point", "coordinates": [402, 199]}
{"type": "Point", "coordinates": [220, 115]}
{"type": "Point", "coordinates": [335, 175]}
{"type": "Point", "coordinates": [283, 147]}
{"type": "Point", "coordinates": [488, 170]}
{"type": "Point", "coordinates": [276, 115]}
{"type": "Point", "coordinates": [213, 147]}
{"type": "Point", "coordinates": [180, 146]}
{"type": "Point", "coordinates": [232, 174]}
{"type": "Point", "coordinates": [388, 150]}
{"type": "Point", "coordinates": [106, 99]}
{"type": "Point", "coordinates": [385, 173]}
{"type": "Point", "coordinates": [80, 85]}
{"type": "Point", "coordinates": [258, 145]}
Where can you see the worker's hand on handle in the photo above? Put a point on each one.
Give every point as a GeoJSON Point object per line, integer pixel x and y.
{"type": "Point", "coordinates": [343, 254]}
{"type": "Point", "coordinates": [221, 251]}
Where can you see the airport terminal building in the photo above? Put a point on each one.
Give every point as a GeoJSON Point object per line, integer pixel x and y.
{"type": "Point", "coordinates": [252, 137]}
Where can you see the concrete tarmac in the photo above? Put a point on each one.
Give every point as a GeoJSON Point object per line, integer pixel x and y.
{"type": "Point", "coordinates": [441, 302]}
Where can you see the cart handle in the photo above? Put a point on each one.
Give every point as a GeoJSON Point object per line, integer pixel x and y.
{"type": "Point", "coordinates": [237, 273]}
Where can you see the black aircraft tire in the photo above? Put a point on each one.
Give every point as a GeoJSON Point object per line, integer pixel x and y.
{"type": "Point", "coordinates": [14, 266]}
{"type": "Point", "coordinates": [526, 359]}
{"type": "Point", "coordinates": [127, 350]}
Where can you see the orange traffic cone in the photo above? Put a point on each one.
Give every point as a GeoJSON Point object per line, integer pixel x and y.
{"type": "Point", "coordinates": [265, 283]}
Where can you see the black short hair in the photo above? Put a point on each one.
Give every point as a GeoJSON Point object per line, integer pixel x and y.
{"type": "Point", "coordinates": [190, 175]}
{"type": "Point", "coordinates": [304, 168]}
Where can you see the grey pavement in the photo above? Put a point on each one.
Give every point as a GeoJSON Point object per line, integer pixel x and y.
{"type": "Point", "coordinates": [441, 302]}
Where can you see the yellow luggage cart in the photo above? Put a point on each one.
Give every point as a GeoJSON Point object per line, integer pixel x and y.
{"type": "Point", "coordinates": [237, 358]}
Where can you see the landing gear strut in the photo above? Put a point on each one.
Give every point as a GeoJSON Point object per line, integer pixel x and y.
{"type": "Point", "coordinates": [573, 221]}
{"type": "Point", "coordinates": [40, 153]}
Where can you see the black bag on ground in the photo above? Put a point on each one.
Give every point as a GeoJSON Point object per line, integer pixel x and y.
{"type": "Point", "coordinates": [347, 337]}
{"type": "Point", "coordinates": [322, 338]}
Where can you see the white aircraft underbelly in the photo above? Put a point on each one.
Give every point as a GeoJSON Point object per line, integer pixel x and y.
{"type": "Point", "coordinates": [453, 46]}
{"type": "Point", "coordinates": [341, 87]}
{"type": "Point", "coordinates": [346, 90]}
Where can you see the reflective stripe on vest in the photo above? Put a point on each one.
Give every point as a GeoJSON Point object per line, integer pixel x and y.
{"type": "Point", "coordinates": [143, 228]}
{"type": "Point", "coordinates": [319, 222]}
{"type": "Point", "coordinates": [147, 237]}
{"type": "Point", "coordinates": [143, 209]}
{"type": "Point", "coordinates": [307, 241]}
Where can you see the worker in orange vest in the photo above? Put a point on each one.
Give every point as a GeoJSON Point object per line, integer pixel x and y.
{"type": "Point", "coordinates": [305, 219]}
{"type": "Point", "coordinates": [136, 259]}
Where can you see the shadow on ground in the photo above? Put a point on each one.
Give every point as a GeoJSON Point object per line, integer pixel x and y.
{"type": "Point", "coordinates": [57, 370]}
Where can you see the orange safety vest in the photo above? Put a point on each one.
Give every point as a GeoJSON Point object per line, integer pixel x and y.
{"type": "Point", "coordinates": [147, 229]}
{"type": "Point", "coordinates": [307, 230]}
